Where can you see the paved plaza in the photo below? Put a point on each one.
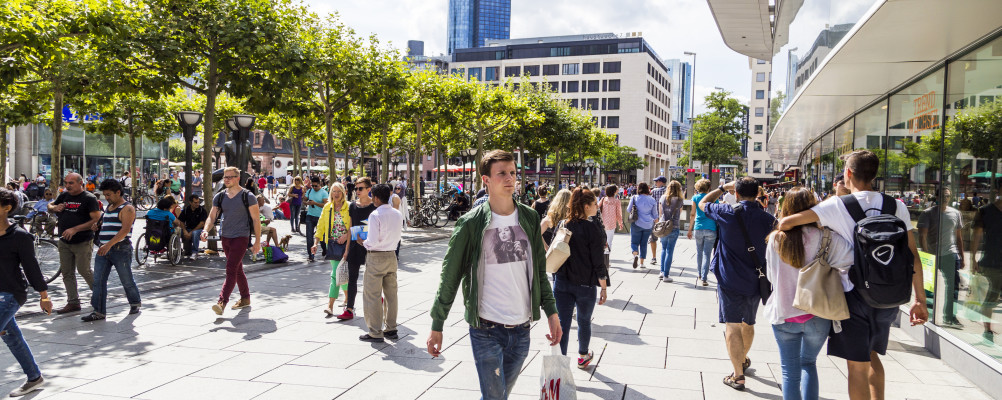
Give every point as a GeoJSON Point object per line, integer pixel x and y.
{"type": "Point", "coordinates": [652, 340]}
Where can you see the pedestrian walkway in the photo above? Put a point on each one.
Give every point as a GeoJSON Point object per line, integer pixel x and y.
{"type": "Point", "coordinates": [652, 340]}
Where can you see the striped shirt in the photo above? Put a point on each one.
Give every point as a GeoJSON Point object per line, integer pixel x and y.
{"type": "Point", "coordinates": [111, 224]}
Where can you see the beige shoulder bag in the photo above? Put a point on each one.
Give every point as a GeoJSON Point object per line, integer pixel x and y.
{"type": "Point", "coordinates": [819, 287]}
{"type": "Point", "coordinates": [559, 250]}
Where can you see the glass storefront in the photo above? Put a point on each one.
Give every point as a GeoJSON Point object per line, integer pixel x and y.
{"type": "Point", "coordinates": [101, 156]}
{"type": "Point", "coordinates": [947, 170]}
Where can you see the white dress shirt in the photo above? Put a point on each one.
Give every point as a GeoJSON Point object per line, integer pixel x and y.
{"type": "Point", "coordinates": [384, 229]}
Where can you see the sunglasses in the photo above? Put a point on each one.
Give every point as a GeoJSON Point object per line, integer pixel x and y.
{"type": "Point", "coordinates": [360, 188]}
{"type": "Point", "coordinates": [230, 177]}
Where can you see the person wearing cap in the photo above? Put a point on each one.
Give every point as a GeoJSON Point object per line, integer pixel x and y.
{"type": "Point", "coordinates": [656, 193]}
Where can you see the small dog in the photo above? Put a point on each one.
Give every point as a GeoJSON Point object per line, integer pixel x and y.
{"type": "Point", "coordinates": [284, 243]}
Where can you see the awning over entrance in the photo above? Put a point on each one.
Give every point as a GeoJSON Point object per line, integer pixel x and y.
{"type": "Point", "coordinates": [891, 44]}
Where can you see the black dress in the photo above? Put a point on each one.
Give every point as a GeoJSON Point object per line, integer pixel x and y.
{"type": "Point", "coordinates": [357, 252]}
{"type": "Point", "coordinates": [541, 207]}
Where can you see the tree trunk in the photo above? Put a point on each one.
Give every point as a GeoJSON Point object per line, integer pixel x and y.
{"type": "Point", "coordinates": [361, 158]}
{"type": "Point", "coordinates": [3, 151]}
{"type": "Point", "coordinates": [521, 166]}
{"type": "Point", "coordinates": [384, 174]}
{"type": "Point", "coordinates": [297, 159]}
{"type": "Point", "coordinates": [209, 126]}
{"type": "Point", "coordinates": [438, 163]}
{"type": "Point", "coordinates": [57, 134]}
{"type": "Point", "coordinates": [133, 170]}
{"type": "Point", "coordinates": [331, 155]}
{"type": "Point", "coordinates": [417, 163]}
{"type": "Point", "coordinates": [557, 171]}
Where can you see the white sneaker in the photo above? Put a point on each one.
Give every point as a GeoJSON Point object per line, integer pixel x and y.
{"type": "Point", "coordinates": [661, 276]}
{"type": "Point", "coordinates": [667, 279]}
{"type": "Point", "coordinates": [28, 387]}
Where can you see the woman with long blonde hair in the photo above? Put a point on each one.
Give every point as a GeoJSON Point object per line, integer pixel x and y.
{"type": "Point", "coordinates": [332, 230]}
{"type": "Point", "coordinates": [559, 207]}
{"type": "Point", "coordinates": [798, 334]}
{"type": "Point", "coordinates": [671, 208]}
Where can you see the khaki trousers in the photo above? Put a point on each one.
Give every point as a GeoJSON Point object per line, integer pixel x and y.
{"type": "Point", "coordinates": [75, 258]}
{"type": "Point", "coordinates": [380, 283]}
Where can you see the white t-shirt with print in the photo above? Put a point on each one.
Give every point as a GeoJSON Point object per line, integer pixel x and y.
{"type": "Point", "coordinates": [833, 214]}
{"type": "Point", "coordinates": [506, 271]}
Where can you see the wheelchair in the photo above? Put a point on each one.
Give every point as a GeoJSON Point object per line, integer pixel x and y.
{"type": "Point", "coordinates": [159, 240]}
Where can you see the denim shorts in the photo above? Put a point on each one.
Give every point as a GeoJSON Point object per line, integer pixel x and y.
{"type": "Point", "coordinates": [737, 308]}
{"type": "Point", "coordinates": [867, 329]}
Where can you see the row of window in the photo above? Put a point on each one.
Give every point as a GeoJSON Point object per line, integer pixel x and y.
{"type": "Point", "coordinates": [609, 85]}
{"type": "Point", "coordinates": [661, 113]}
{"type": "Point", "coordinates": [568, 69]}
{"type": "Point", "coordinates": [658, 129]}
{"type": "Point", "coordinates": [660, 78]}
{"type": "Point", "coordinates": [757, 166]}
{"type": "Point", "coordinates": [609, 122]}
{"type": "Point", "coordinates": [653, 90]}
{"type": "Point", "coordinates": [611, 103]}
{"type": "Point", "coordinates": [653, 144]}
{"type": "Point", "coordinates": [540, 52]}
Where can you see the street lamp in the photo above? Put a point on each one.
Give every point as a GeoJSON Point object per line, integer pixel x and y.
{"type": "Point", "coordinates": [473, 165]}
{"type": "Point", "coordinates": [692, 104]}
{"type": "Point", "coordinates": [462, 157]}
{"type": "Point", "coordinates": [189, 121]}
{"type": "Point", "coordinates": [591, 168]}
{"type": "Point", "coordinates": [242, 124]}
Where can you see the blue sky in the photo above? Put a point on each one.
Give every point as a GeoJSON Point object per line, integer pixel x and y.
{"type": "Point", "coordinates": [670, 26]}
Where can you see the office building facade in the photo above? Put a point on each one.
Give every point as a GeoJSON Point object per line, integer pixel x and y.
{"type": "Point", "coordinates": [758, 164]}
{"type": "Point", "coordinates": [472, 22]}
{"type": "Point", "coordinates": [900, 78]}
{"type": "Point", "coordinates": [619, 78]}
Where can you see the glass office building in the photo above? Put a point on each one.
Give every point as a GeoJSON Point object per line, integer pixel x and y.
{"type": "Point", "coordinates": [472, 22]}
{"type": "Point", "coordinates": [903, 79]}
{"type": "Point", "coordinates": [102, 156]}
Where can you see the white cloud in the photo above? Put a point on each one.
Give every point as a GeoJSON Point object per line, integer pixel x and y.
{"type": "Point", "coordinates": [671, 28]}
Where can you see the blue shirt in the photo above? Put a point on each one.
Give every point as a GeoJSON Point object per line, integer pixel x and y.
{"type": "Point", "coordinates": [647, 210]}
{"type": "Point", "coordinates": [317, 196]}
{"type": "Point", "coordinates": [41, 206]}
{"type": "Point", "coordinates": [731, 264]}
{"type": "Point", "coordinates": [157, 214]}
{"type": "Point", "coordinates": [702, 221]}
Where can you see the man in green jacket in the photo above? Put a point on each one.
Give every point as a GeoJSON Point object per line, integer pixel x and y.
{"type": "Point", "coordinates": [496, 254]}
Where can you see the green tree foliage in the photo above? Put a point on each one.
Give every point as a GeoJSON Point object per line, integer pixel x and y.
{"type": "Point", "coordinates": [978, 131]}
{"type": "Point", "coordinates": [774, 105]}
{"type": "Point", "coordinates": [622, 159]}
{"type": "Point", "coordinates": [717, 133]}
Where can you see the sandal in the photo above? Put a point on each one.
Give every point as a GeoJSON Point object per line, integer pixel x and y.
{"type": "Point", "coordinates": [745, 365]}
{"type": "Point", "coordinates": [735, 383]}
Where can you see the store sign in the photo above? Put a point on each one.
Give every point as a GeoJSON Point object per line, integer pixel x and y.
{"type": "Point", "coordinates": [928, 271]}
{"type": "Point", "coordinates": [926, 113]}
{"type": "Point", "coordinates": [70, 116]}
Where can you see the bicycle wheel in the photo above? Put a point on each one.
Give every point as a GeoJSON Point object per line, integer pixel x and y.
{"type": "Point", "coordinates": [438, 220]}
{"type": "Point", "coordinates": [145, 202]}
{"type": "Point", "coordinates": [142, 251]}
{"type": "Point", "coordinates": [47, 254]}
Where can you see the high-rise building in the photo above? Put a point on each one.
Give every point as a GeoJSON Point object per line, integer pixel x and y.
{"type": "Point", "coordinates": [758, 164]}
{"type": "Point", "coordinates": [619, 78]}
{"type": "Point", "coordinates": [681, 74]}
{"type": "Point", "coordinates": [472, 22]}
{"type": "Point", "coordinates": [415, 47]}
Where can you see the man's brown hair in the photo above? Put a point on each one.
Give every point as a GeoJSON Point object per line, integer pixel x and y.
{"type": "Point", "coordinates": [492, 157]}
{"type": "Point", "coordinates": [864, 165]}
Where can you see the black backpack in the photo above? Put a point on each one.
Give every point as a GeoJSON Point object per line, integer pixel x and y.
{"type": "Point", "coordinates": [218, 202]}
{"type": "Point", "coordinates": [883, 267]}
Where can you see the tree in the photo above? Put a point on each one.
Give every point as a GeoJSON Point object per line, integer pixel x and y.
{"type": "Point", "coordinates": [423, 100]}
{"type": "Point", "coordinates": [243, 47]}
{"type": "Point", "coordinates": [717, 133]}
{"type": "Point", "coordinates": [774, 106]}
{"type": "Point", "coordinates": [492, 110]}
{"type": "Point", "coordinates": [622, 159]}
{"type": "Point", "coordinates": [18, 106]}
{"type": "Point", "coordinates": [978, 131]}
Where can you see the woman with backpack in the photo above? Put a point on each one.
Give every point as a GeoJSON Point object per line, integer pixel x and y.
{"type": "Point", "coordinates": [643, 211]}
{"type": "Point", "coordinates": [799, 335]}
{"type": "Point", "coordinates": [671, 208]}
{"type": "Point", "coordinates": [575, 283]}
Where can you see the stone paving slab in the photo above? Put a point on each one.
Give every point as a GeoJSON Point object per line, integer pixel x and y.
{"type": "Point", "coordinates": [652, 340]}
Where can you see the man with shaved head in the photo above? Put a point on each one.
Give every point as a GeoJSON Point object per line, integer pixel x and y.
{"type": "Point", "coordinates": [78, 211]}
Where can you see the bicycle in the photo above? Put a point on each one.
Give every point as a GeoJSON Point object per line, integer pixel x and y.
{"type": "Point", "coordinates": [46, 250]}
{"type": "Point", "coordinates": [144, 201]}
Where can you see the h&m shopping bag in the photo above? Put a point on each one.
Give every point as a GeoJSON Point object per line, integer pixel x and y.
{"type": "Point", "coordinates": [557, 381]}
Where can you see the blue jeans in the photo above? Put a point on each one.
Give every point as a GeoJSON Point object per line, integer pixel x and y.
{"type": "Point", "coordinates": [705, 239]}
{"type": "Point", "coordinates": [799, 345]}
{"type": "Point", "coordinates": [196, 236]}
{"type": "Point", "coordinates": [568, 296]}
{"type": "Point", "coordinates": [120, 256]}
{"type": "Point", "coordinates": [668, 250]}
{"type": "Point", "coordinates": [499, 353]}
{"type": "Point", "coordinates": [311, 227]}
{"type": "Point", "coordinates": [14, 340]}
{"type": "Point", "coordinates": [638, 240]}
{"type": "Point", "coordinates": [294, 216]}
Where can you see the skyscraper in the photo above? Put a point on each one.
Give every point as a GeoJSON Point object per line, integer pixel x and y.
{"type": "Point", "coordinates": [471, 22]}
{"type": "Point", "coordinates": [681, 74]}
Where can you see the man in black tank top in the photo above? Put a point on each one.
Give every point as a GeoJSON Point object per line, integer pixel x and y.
{"type": "Point", "coordinates": [115, 239]}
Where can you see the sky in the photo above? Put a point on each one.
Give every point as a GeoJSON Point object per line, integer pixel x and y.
{"type": "Point", "coordinates": [671, 27]}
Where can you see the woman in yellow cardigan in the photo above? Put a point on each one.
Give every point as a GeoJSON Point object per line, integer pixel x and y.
{"type": "Point", "coordinates": [332, 230]}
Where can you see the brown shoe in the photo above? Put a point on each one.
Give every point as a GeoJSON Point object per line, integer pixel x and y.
{"type": "Point", "coordinates": [242, 303]}
{"type": "Point", "coordinates": [218, 308]}
{"type": "Point", "coordinates": [68, 309]}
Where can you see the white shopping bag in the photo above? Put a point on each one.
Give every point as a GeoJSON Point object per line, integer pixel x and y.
{"type": "Point", "coordinates": [976, 298]}
{"type": "Point", "coordinates": [342, 273]}
{"type": "Point", "coordinates": [557, 381]}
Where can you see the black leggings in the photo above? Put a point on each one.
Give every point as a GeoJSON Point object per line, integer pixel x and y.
{"type": "Point", "coordinates": [353, 270]}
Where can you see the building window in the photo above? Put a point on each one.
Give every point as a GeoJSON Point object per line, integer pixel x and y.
{"type": "Point", "coordinates": [592, 86]}
{"type": "Point", "coordinates": [475, 73]}
{"type": "Point", "coordinates": [590, 68]}
{"type": "Point", "coordinates": [571, 69]}
{"type": "Point", "coordinates": [574, 103]}
{"type": "Point", "coordinates": [591, 104]}
{"type": "Point", "coordinates": [757, 167]}
{"type": "Point", "coordinates": [602, 125]}
{"type": "Point", "coordinates": [511, 71]}
{"type": "Point", "coordinates": [531, 70]}
{"type": "Point", "coordinates": [760, 94]}
{"type": "Point", "coordinates": [551, 69]}
{"type": "Point", "coordinates": [491, 73]}
{"type": "Point", "coordinates": [758, 129]}
{"type": "Point", "coordinates": [612, 67]}
{"type": "Point", "coordinates": [560, 51]}
{"type": "Point", "coordinates": [572, 87]}
{"type": "Point", "coordinates": [758, 146]}
{"type": "Point", "coordinates": [760, 77]}
{"type": "Point", "coordinates": [633, 47]}
{"type": "Point", "coordinates": [612, 122]}
{"type": "Point", "coordinates": [759, 111]}
{"type": "Point", "coordinates": [614, 103]}
{"type": "Point", "coordinates": [553, 86]}
{"type": "Point", "coordinates": [613, 85]}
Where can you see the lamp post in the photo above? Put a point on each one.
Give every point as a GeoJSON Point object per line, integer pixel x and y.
{"type": "Point", "coordinates": [473, 165]}
{"type": "Point", "coordinates": [591, 169]}
{"type": "Point", "coordinates": [188, 121]}
{"type": "Point", "coordinates": [462, 162]}
{"type": "Point", "coordinates": [692, 105]}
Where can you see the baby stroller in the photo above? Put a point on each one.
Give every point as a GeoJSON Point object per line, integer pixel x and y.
{"type": "Point", "coordinates": [159, 240]}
